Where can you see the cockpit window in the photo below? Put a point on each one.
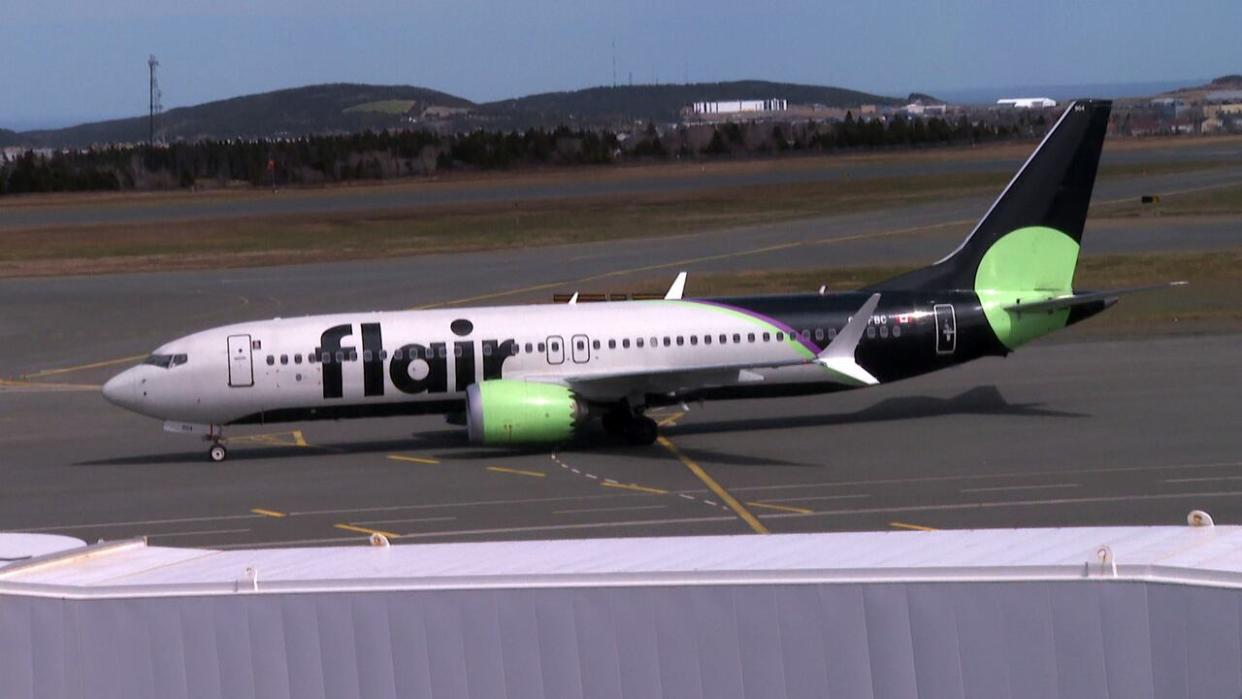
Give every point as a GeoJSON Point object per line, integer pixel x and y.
{"type": "Point", "coordinates": [166, 361]}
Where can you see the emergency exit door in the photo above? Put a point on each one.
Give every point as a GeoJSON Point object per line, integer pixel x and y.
{"type": "Point", "coordinates": [241, 368]}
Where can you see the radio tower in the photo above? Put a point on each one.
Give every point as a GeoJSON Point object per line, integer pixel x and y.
{"type": "Point", "coordinates": [156, 107]}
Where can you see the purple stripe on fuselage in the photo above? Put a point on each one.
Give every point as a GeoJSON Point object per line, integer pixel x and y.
{"type": "Point", "coordinates": [811, 346]}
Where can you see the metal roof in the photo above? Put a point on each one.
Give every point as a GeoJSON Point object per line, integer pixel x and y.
{"type": "Point", "coordinates": [1193, 555]}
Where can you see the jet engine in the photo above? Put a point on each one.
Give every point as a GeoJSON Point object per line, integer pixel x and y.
{"type": "Point", "coordinates": [508, 411]}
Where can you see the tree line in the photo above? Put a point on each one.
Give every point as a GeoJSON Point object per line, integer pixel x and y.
{"type": "Point", "coordinates": [389, 154]}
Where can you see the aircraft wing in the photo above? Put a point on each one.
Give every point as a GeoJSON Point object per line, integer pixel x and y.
{"type": "Point", "coordinates": [837, 359]}
{"type": "Point", "coordinates": [1069, 300]}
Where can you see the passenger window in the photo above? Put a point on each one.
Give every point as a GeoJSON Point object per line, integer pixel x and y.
{"type": "Point", "coordinates": [556, 347]}
{"type": "Point", "coordinates": [750, 337]}
{"type": "Point", "coordinates": [723, 338]}
{"type": "Point", "coordinates": [870, 331]}
{"type": "Point", "coordinates": [443, 353]}
{"type": "Point", "coordinates": [638, 342]}
{"type": "Point", "coordinates": [398, 354]}
{"type": "Point", "coordinates": [625, 343]}
{"type": "Point", "coordinates": [612, 344]}
{"type": "Point", "coordinates": [707, 339]}
{"type": "Point", "coordinates": [326, 358]}
{"type": "Point", "coordinates": [353, 355]}
{"type": "Point", "coordinates": [654, 342]}
{"type": "Point", "coordinates": [681, 340]}
{"type": "Point", "coordinates": [297, 359]}
{"type": "Point", "coordinates": [367, 356]}
{"type": "Point", "coordinates": [694, 339]}
{"type": "Point", "coordinates": [531, 348]}
{"type": "Point", "coordinates": [737, 338]}
{"type": "Point", "coordinates": [806, 334]}
{"type": "Point", "coordinates": [668, 341]}
{"type": "Point", "coordinates": [767, 337]}
{"type": "Point", "coordinates": [542, 347]}
{"type": "Point", "coordinates": [340, 357]}
{"type": "Point", "coordinates": [457, 350]}
{"type": "Point", "coordinates": [487, 349]}
{"type": "Point", "coordinates": [832, 333]}
{"type": "Point", "coordinates": [780, 337]}
{"type": "Point", "coordinates": [883, 331]}
{"type": "Point", "coordinates": [595, 344]}
{"type": "Point", "coordinates": [819, 333]}
{"type": "Point", "coordinates": [271, 360]}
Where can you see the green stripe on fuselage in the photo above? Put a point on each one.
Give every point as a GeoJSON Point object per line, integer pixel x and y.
{"type": "Point", "coordinates": [1028, 264]}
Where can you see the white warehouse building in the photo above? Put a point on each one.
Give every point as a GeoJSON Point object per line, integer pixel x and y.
{"type": "Point", "coordinates": [1027, 102]}
{"type": "Point", "coordinates": [735, 106]}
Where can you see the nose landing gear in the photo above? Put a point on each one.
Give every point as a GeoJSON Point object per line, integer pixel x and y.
{"type": "Point", "coordinates": [217, 452]}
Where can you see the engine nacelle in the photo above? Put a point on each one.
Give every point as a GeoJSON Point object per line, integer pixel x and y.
{"type": "Point", "coordinates": [509, 411]}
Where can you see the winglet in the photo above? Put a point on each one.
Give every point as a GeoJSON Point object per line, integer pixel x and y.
{"type": "Point", "coordinates": [838, 356]}
{"type": "Point", "coordinates": [675, 291]}
{"type": "Point", "coordinates": [573, 300]}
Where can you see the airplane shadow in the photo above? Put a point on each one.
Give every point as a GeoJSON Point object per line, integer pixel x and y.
{"type": "Point", "coordinates": [982, 400]}
{"type": "Point", "coordinates": [452, 445]}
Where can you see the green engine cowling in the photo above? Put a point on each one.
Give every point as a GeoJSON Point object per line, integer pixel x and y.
{"type": "Point", "coordinates": [508, 411]}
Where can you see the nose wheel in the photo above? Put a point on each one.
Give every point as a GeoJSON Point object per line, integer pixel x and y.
{"type": "Point", "coordinates": [217, 452]}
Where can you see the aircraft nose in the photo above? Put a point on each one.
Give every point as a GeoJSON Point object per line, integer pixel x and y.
{"type": "Point", "coordinates": [121, 389]}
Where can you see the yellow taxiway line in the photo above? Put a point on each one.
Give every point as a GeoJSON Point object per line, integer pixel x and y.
{"type": "Point", "coordinates": [915, 527]}
{"type": "Point", "coordinates": [267, 513]}
{"type": "Point", "coordinates": [715, 487]}
{"type": "Point", "coordinates": [413, 459]}
{"type": "Point", "coordinates": [517, 471]}
{"type": "Point", "coordinates": [782, 508]}
{"type": "Point", "coordinates": [83, 367]}
{"type": "Point", "coordinates": [364, 530]}
{"type": "Point", "coordinates": [635, 487]}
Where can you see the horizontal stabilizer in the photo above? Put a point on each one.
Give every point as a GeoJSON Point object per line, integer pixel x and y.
{"type": "Point", "coordinates": [1069, 300]}
{"type": "Point", "coordinates": [838, 356]}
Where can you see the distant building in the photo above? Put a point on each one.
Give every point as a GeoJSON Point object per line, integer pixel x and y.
{"type": "Point", "coordinates": [1223, 97]}
{"type": "Point", "coordinates": [920, 109]}
{"type": "Point", "coordinates": [736, 106]}
{"type": "Point", "coordinates": [1027, 102]}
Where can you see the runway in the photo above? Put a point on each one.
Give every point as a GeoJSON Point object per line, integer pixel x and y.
{"type": "Point", "coordinates": [1061, 433]}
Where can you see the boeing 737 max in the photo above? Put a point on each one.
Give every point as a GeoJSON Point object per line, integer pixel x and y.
{"type": "Point", "coordinates": [537, 373]}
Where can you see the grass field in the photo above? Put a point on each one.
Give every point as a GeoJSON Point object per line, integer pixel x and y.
{"type": "Point", "coordinates": [275, 240]}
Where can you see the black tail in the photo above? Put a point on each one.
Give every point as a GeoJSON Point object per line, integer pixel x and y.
{"type": "Point", "coordinates": [1052, 190]}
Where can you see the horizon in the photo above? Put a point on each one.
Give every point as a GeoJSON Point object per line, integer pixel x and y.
{"type": "Point", "coordinates": [73, 61]}
{"type": "Point", "coordinates": [960, 95]}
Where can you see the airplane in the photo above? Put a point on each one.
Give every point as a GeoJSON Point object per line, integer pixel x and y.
{"type": "Point", "coordinates": [539, 373]}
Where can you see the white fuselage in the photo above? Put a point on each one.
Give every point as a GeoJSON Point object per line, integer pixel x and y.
{"type": "Point", "coordinates": [275, 370]}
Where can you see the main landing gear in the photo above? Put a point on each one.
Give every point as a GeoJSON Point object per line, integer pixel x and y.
{"type": "Point", "coordinates": [636, 429]}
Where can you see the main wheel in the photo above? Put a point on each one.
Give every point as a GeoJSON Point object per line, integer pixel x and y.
{"type": "Point", "coordinates": [614, 422]}
{"type": "Point", "coordinates": [641, 431]}
{"type": "Point", "coordinates": [217, 453]}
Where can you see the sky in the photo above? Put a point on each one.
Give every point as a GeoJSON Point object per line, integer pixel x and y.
{"type": "Point", "coordinates": [67, 61]}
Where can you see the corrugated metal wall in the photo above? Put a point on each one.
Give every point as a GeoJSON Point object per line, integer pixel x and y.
{"type": "Point", "coordinates": [1053, 639]}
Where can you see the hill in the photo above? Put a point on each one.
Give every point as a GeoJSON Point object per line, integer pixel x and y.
{"type": "Point", "coordinates": [314, 109]}
{"type": "Point", "coordinates": [662, 102]}
{"type": "Point", "coordinates": [1224, 82]}
{"type": "Point", "coordinates": [8, 138]}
